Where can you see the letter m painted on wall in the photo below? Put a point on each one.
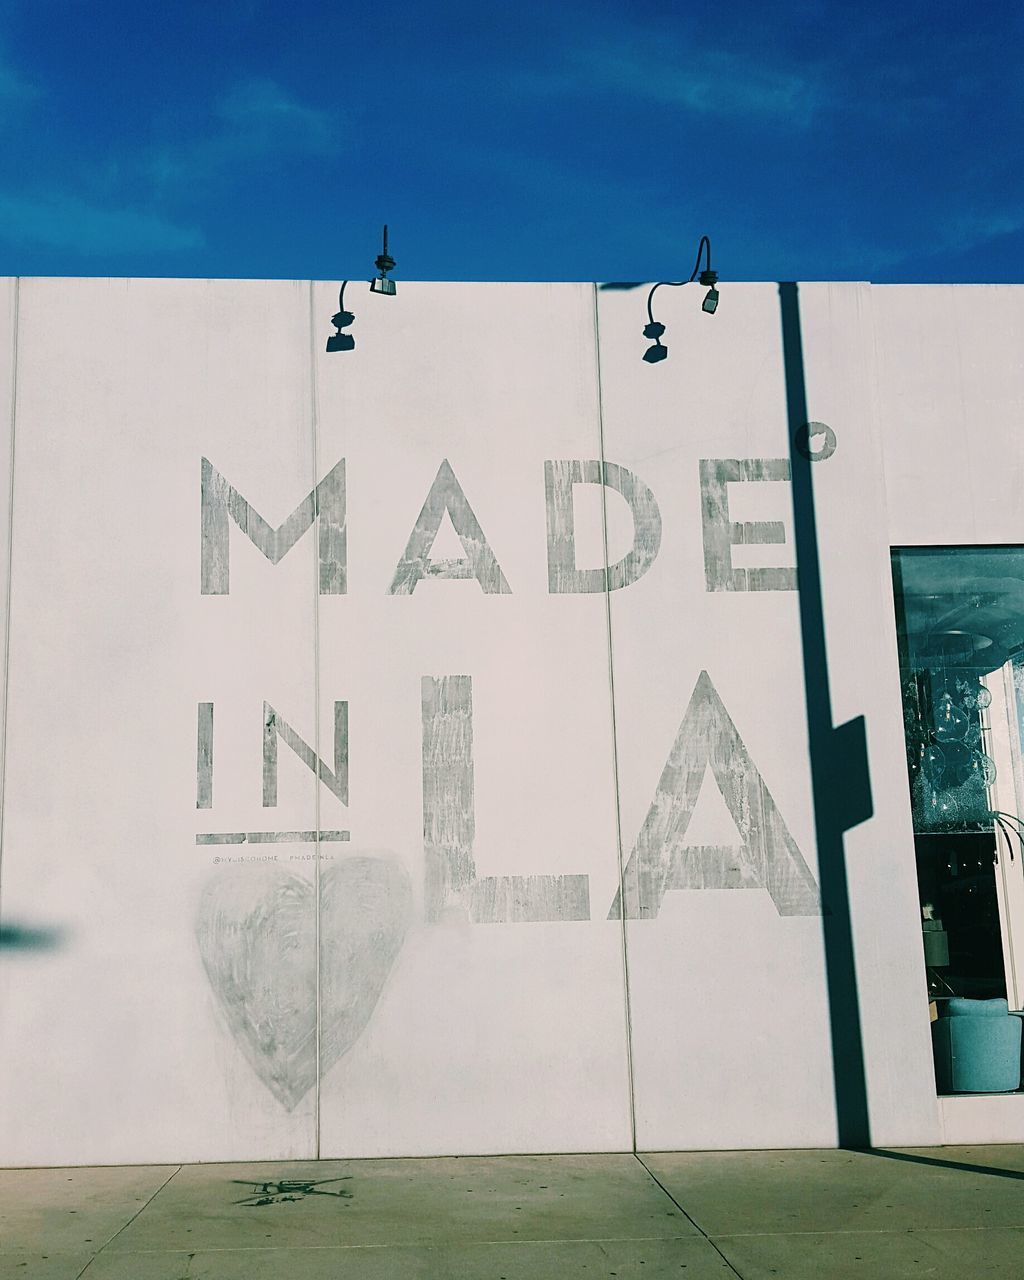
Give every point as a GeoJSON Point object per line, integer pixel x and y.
{"type": "Point", "coordinates": [222, 503]}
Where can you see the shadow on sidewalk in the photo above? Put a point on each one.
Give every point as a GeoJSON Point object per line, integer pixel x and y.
{"type": "Point", "coordinates": [945, 1164]}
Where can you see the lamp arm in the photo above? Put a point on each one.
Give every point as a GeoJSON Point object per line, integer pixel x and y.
{"type": "Point", "coordinates": [705, 244]}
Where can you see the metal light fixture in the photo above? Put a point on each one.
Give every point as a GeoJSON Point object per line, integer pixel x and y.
{"type": "Point", "coordinates": [384, 263]}
{"type": "Point", "coordinates": [653, 330]}
{"type": "Point", "coordinates": [379, 284]}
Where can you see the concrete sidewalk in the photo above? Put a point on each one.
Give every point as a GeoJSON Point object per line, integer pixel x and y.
{"type": "Point", "coordinates": [941, 1212]}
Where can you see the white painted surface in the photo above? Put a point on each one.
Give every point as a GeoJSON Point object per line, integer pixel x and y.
{"type": "Point", "coordinates": [730, 1031]}
{"type": "Point", "coordinates": [490, 1037]}
{"type": "Point", "coordinates": [863, 675]}
{"type": "Point", "coordinates": [479, 1037]}
{"type": "Point", "coordinates": [8, 366]}
{"type": "Point", "coordinates": [951, 403]}
{"type": "Point", "coordinates": [989, 1117]}
{"type": "Point", "coordinates": [122, 1053]}
{"type": "Point", "coordinates": [728, 996]}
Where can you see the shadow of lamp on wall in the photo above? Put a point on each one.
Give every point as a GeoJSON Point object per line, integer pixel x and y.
{"type": "Point", "coordinates": [342, 319]}
{"type": "Point", "coordinates": [653, 329]}
{"type": "Point", "coordinates": [26, 937]}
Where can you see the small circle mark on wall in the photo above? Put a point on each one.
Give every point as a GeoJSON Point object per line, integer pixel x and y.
{"type": "Point", "coordinates": [815, 441]}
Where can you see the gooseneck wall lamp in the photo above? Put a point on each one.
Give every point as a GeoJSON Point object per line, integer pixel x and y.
{"type": "Point", "coordinates": [707, 277]}
{"type": "Point", "coordinates": [384, 263]}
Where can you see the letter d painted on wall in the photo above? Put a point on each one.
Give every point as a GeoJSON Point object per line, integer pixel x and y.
{"type": "Point", "coordinates": [563, 575]}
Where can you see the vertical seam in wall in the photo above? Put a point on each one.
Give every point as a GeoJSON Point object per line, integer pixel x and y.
{"type": "Point", "coordinates": [9, 568]}
{"type": "Point", "coordinates": [314, 405]}
{"type": "Point", "coordinates": [615, 740]}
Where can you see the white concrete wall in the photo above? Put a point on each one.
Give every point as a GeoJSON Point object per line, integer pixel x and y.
{"type": "Point", "coordinates": [729, 1005]}
{"type": "Point", "coordinates": [950, 374]}
{"type": "Point", "coordinates": [465, 976]}
{"type": "Point", "coordinates": [8, 391]}
{"type": "Point", "coordinates": [950, 390]}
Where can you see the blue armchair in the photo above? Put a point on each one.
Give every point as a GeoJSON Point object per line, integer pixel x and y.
{"type": "Point", "coordinates": [977, 1047]}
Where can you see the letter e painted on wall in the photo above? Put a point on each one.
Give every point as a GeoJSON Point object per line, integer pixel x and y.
{"type": "Point", "coordinates": [721, 533]}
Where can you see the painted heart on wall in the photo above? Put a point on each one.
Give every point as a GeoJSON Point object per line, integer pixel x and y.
{"type": "Point", "coordinates": [256, 929]}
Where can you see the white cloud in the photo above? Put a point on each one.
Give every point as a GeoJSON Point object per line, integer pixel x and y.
{"type": "Point", "coordinates": [976, 229]}
{"type": "Point", "coordinates": [66, 222]}
{"type": "Point", "coordinates": [261, 111]}
{"type": "Point", "coordinates": [713, 83]}
{"type": "Point", "coordinates": [703, 82]}
{"type": "Point", "coordinates": [256, 121]}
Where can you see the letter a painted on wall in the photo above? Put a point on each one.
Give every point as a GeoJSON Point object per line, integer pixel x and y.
{"type": "Point", "coordinates": [479, 561]}
{"type": "Point", "coordinates": [661, 859]}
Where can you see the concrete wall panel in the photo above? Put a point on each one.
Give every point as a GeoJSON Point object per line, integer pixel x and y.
{"type": "Point", "coordinates": [730, 1018]}
{"type": "Point", "coordinates": [730, 1047]}
{"type": "Point", "coordinates": [171, 1018]}
{"type": "Point", "coordinates": [493, 1032]}
{"type": "Point", "coordinates": [8, 380]}
{"type": "Point", "coordinates": [951, 400]}
{"type": "Point", "coordinates": [863, 677]}
{"type": "Point", "coordinates": [389, 574]}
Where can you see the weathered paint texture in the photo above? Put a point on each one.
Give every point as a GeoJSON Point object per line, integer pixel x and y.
{"type": "Point", "coordinates": [530, 899]}
{"type": "Point", "coordinates": [274, 727]}
{"type": "Point", "coordinates": [452, 890]}
{"type": "Point", "coordinates": [479, 561]}
{"type": "Point", "coordinates": [204, 756]}
{"type": "Point", "coordinates": [222, 503]}
{"type": "Point", "coordinates": [257, 937]}
{"type": "Point", "coordinates": [559, 478]}
{"type": "Point", "coordinates": [365, 911]}
{"type": "Point", "coordinates": [449, 822]}
{"type": "Point", "coordinates": [270, 837]}
{"type": "Point", "coordinates": [256, 931]}
{"type": "Point", "coordinates": [661, 860]}
{"type": "Point", "coordinates": [721, 533]}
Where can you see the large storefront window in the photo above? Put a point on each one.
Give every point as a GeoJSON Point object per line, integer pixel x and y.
{"type": "Point", "coordinates": [960, 626]}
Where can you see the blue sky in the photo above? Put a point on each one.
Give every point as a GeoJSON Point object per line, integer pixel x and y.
{"type": "Point", "coordinates": [533, 141]}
